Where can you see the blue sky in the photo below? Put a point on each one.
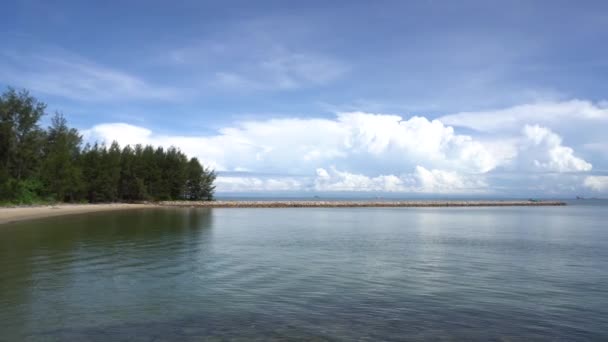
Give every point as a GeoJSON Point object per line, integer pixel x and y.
{"type": "Point", "coordinates": [414, 97]}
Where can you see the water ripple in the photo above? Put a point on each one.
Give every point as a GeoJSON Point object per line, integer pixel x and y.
{"type": "Point", "coordinates": [307, 274]}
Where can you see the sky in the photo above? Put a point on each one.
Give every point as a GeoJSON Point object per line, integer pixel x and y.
{"type": "Point", "coordinates": [403, 98]}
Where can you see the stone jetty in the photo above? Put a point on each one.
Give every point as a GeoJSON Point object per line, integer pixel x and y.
{"type": "Point", "coordinates": [358, 204]}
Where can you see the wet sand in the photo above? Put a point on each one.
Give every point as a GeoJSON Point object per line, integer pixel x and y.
{"type": "Point", "coordinates": [13, 214]}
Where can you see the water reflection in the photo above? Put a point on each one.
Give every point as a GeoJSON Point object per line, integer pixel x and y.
{"type": "Point", "coordinates": [324, 274]}
{"type": "Point", "coordinates": [72, 269]}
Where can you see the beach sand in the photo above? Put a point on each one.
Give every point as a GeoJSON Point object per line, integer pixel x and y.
{"type": "Point", "coordinates": [14, 214]}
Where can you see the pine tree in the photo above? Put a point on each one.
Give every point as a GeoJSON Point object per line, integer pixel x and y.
{"type": "Point", "coordinates": [207, 184]}
{"type": "Point", "coordinates": [194, 182]}
{"type": "Point", "coordinates": [131, 187]}
{"type": "Point", "coordinates": [91, 163]}
{"type": "Point", "coordinates": [20, 145]}
{"type": "Point", "coordinates": [53, 164]}
{"type": "Point", "coordinates": [61, 174]}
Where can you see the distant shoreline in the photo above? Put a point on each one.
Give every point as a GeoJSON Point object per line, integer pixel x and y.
{"type": "Point", "coordinates": [22, 213]}
{"type": "Point", "coordinates": [357, 204]}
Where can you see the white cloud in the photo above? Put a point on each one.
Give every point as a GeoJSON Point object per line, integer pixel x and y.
{"type": "Point", "coordinates": [581, 123]}
{"type": "Point", "coordinates": [369, 152]}
{"type": "Point", "coordinates": [278, 69]}
{"type": "Point", "coordinates": [378, 143]}
{"type": "Point", "coordinates": [335, 180]}
{"type": "Point", "coordinates": [60, 73]}
{"type": "Point", "coordinates": [542, 150]}
{"type": "Point", "coordinates": [596, 183]}
{"type": "Point", "coordinates": [447, 181]}
{"type": "Point", "coordinates": [420, 181]}
{"type": "Point", "coordinates": [545, 113]}
{"type": "Point", "coordinates": [415, 139]}
{"type": "Point", "coordinates": [291, 70]}
{"type": "Point", "coordinates": [124, 133]}
{"type": "Point", "coordinates": [245, 61]}
{"type": "Point", "coordinates": [252, 183]}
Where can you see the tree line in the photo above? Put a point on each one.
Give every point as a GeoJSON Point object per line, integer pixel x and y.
{"type": "Point", "coordinates": [52, 164]}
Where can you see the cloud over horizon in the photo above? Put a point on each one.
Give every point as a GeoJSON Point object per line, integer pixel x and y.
{"type": "Point", "coordinates": [434, 97]}
{"type": "Point", "coordinates": [358, 151]}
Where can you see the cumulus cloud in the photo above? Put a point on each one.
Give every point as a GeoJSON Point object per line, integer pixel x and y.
{"type": "Point", "coordinates": [596, 183]}
{"type": "Point", "coordinates": [257, 183]}
{"type": "Point", "coordinates": [580, 123]}
{"type": "Point", "coordinates": [335, 180]}
{"type": "Point", "coordinates": [414, 139]}
{"type": "Point", "coordinates": [544, 113]}
{"type": "Point", "coordinates": [419, 181]}
{"type": "Point", "coordinates": [123, 133]}
{"type": "Point", "coordinates": [358, 151]}
{"type": "Point", "coordinates": [542, 150]}
{"type": "Point", "coordinates": [381, 143]}
{"type": "Point", "coordinates": [447, 181]}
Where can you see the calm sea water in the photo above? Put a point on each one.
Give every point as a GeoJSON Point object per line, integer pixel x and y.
{"type": "Point", "coordinates": [308, 274]}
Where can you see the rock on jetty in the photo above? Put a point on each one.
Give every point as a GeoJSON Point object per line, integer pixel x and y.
{"type": "Point", "coordinates": [355, 204]}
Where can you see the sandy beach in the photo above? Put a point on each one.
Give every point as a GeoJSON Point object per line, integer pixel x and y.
{"type": "Point", "coordinates": [14, 214]}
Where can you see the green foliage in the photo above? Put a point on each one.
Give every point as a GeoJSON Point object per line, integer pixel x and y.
{"type": "Point", "coordinates": [208, 189]}
{"type": "Point", "coordinates": [62, 177]}
{"type": "Point", "coordinates": [20, 136]}
{"type": "Point", "coordinates": [25, 191]}
{"type": "Point", "coordinates": [51, 165]}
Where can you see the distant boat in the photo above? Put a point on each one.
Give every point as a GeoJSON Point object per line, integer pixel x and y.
{"type": "Point", "coordinates": [580, 198]}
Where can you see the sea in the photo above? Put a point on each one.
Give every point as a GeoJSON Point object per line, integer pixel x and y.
{"type": "Point", "coordinates": [321, 274]}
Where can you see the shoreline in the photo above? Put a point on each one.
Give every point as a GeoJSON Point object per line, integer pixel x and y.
{"type": "Point", "coordinates": [15, 214]}
{"type": "Point", "coordinates": [18, 213]}
{"type": "Point", "coordinates": [358, 204]}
